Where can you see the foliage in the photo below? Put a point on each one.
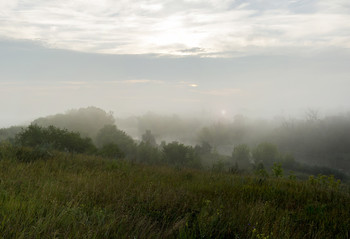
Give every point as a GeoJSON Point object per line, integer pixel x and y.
{"type": "Point", "coordinates": [79, 196]}
{"type": "Point", "coordinates": [180, 155]}
{"type": "Point", "coordinates": [312, 140]}
{"type": "Point", "coordinates": [261, 171]}
{"type": "Point", "coordinates": [241, 156]}
{"type": "Point", "coordinates": [325, 181]}
{"type": "Point", "coordinates": [110, 134]}
{"type": "Point", "coordinates": [6, 150]}
{"type": "Point", "coordinates": [111, 151]}
{"type": "Point", "coordinates": [220, 165]}
{"type": "Point", "coordinates": [53, 138]}
{"type": "Point", "coordinates": [148, 153]}
{"type": "Point", "coordinates": [265, 153]}
{"type": "Point", "coordinates": [87, 121]}
{"type": "Point", "coordinates": [277, 170]}
{"type": "Point", "coordinates": [23, 154]}
{"type": "Point", "coordinates": [8, 134]}
{"type": "Point", "coordinates": [27, 154]}
{"type": "Point", "coordinates": [203, 149]}
{"type": "Point", "coordinates": [149, 138]}
{"type": "Point", "coordinates": [165, 127]}
{"type": "Point", "coordinates": [289, 163]}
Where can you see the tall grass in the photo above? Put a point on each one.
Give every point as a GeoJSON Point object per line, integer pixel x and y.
{"type": "Point", "coordinates": [77, 196]}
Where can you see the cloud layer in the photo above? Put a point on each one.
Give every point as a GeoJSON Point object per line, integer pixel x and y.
{"type": "Point", "coordinates": [179, 27]}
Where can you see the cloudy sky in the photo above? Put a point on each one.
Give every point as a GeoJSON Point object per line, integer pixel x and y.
{"type": "Point", "coordinates": [255, 57]}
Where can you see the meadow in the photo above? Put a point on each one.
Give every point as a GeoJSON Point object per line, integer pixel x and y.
{"type": "Point", "coordinates": [80, 196]}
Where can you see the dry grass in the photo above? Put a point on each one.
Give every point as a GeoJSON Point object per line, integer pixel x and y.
{"type": "Point", "coordinates": [77, 196]}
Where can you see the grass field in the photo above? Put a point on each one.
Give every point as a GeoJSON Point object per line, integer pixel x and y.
{"type": "Point", "coordinates": [77, 196]}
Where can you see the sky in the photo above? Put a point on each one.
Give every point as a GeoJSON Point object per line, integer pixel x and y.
{"type": "Point", "coordinates": [226, 57]}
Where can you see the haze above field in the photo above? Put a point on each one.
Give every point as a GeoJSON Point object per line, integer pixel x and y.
{"type": "Point", "coordinates": [218, 58]}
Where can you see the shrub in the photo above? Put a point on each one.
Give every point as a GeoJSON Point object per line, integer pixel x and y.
{"type": "Point", "coordinates": [241, 156]}
{"type": "Point", "coordinates": [26, 154]}
{"type": "Point", "coordinates": [265, 153]}
{"type": "Point", "coordinates": [147, 153]}
{"type": "Point", "coordinates": [110, 134]}
{"type": "Point", "coordinates": [111, 151]}
{"type": "Point", "coordinates": [53, 138]}
{"type": "Point", "coordinates": [179, 155]}
{"type": "Point", "coordinates": [277, 170]}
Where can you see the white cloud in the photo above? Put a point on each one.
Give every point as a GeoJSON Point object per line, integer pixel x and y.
{"type": "Point", "coordinates": [220, 92]}
{"type": "Point", "coordinates": [141, 81]}
{"type": "Point", "coordinates": [171, 27]}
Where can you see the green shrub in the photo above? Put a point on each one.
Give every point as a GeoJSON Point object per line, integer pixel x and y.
{"type": "Point", "coordinates": [52, 138]}
{"type": "Point", "coordinates": [241, 156]}
{"type": "Point", "coordinates": [180, 155]}
{"type": "Point", "coordinates": [277, 170]}
{"type": "Point", "coordinates": [148, 153]}
{"type": "Point", "coordinates": [111, 151]}
{"type": "Point", "coordinates": [109, 134]}
{"type": "Point", "coordinates": [265, 153]}
{"type": "Point", "coordinates": [26, 154]}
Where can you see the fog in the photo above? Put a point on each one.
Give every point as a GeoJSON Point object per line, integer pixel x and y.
{"type": "Point", "coordinates": [311, 140]}
{"type": "Point", "coordinates": [37, 81]}
{"type": "Point", "coordinates": [222, 73]}
{"type": "Point", "coordinates": [175, 119]}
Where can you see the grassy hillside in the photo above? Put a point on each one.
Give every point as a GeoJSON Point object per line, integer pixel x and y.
{"type": "Point", "coordinates": [77, 196]}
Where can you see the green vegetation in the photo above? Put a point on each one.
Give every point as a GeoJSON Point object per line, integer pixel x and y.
{"type": "Point", "coordinates": [56, 183]}
{"type": "Point", "coordinates": [80, 196]}
{"type": "Point", "coordinates": [312, 141]}
{"type": "Point", "coordinates": [87, 121]}
{"type": "Point", "coordinates": [52, 138]}
{"type": "Point", "coordinates": [241, 156]}
{"type": "Point", "coordinates": [109, 134]}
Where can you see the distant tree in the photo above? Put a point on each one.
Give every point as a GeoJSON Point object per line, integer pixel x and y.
{"type": "Point", "coordinates": [54, 138]}
{"type": "Point", "coordinates": [215, 135]}
{"type": "Point", "coordinates": [149, 138]}
{"type": "Point", "coordinates": [265, 153]}
{"type": "Point", "coordinates": [241, 155]}
{"type": "Point", "coordinates": [203, 149]}
{"type": "Point", "coordinates": [111, 150]}
{"type": "Point", "coordinates": [8, 134]}
{"type": "Point", "coordinates": [147, 153]}
{"type": "Point", "coordinates": [110, 134]}
{"type": "Point", "coordinates": [311, 115]}
{"type": "Point", "coordinates": [260, 170]}
{"type": "Point", "coordinates": [87, 121]}
{"type": "Point", "coordinates": [180, 155]}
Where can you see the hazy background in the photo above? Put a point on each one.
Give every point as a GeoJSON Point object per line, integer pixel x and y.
{"type": "Point", "coordinates": [194, 58]}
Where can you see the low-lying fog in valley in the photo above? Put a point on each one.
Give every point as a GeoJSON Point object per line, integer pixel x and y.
{"type": "Point", "coordinates": [175, 119]}
{"type": "Point", "coordinates": [312, 144]}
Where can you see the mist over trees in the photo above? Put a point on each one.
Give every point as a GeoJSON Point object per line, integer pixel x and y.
{"type": "Point", "coordinates": [9, 133]}
{"type": "Point", "coordinates": [312, 139]}
{"type": "Point", "coordinates": [109, 134]}
{"type": "Point", "coordinates": [87, 121]}
{"type": "Point", "coordinates": [308, 145]}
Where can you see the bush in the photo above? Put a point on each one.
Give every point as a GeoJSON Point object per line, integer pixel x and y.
{"type": "Point", "coordinates": [7, 151]}
{"type": "Point", "coordinates": [111, 151]}
{"type": "Point", "coordinates": [277, 170]}
{"type": "Point", "coordinates": [52, 138]}
{"type": "Point", "coordinates": [147, 153]}
{"type": "Point", "coordinates": [179, 155]}
{"type": "Point", "coordinates": [265, 153]}
{"type": "Point", "coordinates": [241, 156]}
{"type": "Point", "coordinates": [110, 134]}
{"type": "Point", "coordinates": [26, 154]}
